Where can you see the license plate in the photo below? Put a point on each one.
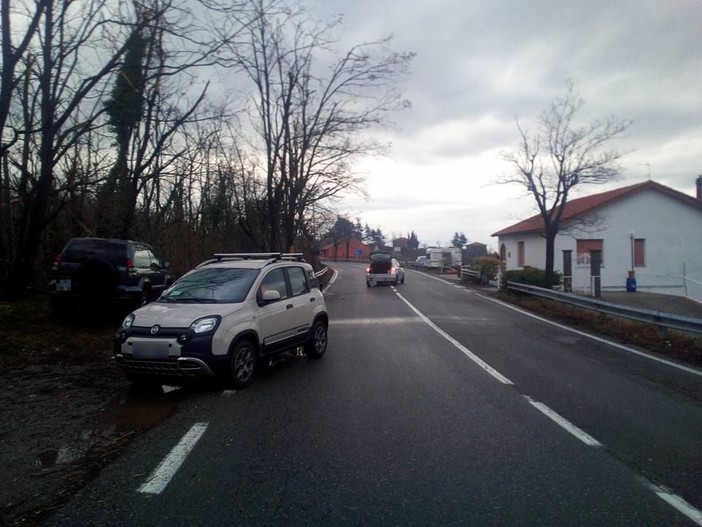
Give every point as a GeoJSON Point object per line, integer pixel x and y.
{"type": "Point", "coordinates": [63, 285]}
{"type": "Point", "coordinates": [156, 350]}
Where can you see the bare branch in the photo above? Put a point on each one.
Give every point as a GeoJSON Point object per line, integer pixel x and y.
{"type": "Point", "coordinates": [561, 157]}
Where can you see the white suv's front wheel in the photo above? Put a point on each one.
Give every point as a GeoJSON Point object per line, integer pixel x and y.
{"type": "Point", "coordinates": [243, 364]}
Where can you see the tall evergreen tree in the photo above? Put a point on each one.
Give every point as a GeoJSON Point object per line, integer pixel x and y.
{"type": "Point", "coordinates": [413, 241]}
{"type": "Point", "coordinates": [459, 240]}
{"type": "Point", "coordinates": [125, 109]}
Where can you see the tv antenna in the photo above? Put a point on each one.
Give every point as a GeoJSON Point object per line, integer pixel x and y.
{"type": "Point", "coordinates": [648, 165]}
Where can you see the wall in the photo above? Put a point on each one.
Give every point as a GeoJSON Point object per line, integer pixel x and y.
{"type": "Point", "coordinates": [354, 246]}
{"type": "Point", "coordinates": [673, 237]}
{"type": "Point", "coordinates": [534, 250]}
{"type": "Point", "coordinates": [672, 230]}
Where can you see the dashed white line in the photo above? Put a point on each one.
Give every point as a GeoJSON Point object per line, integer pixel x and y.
{"type": "Point", "coordinates": [666, 495]}
{"type": "Point", "coordinates": [564, 423]}
{"type": "Point", "coordinates": [678, 503]}
{"type": "Point", "coordinates": [159, 478]}
{"type": "Point", "coordinates": [373, 321]}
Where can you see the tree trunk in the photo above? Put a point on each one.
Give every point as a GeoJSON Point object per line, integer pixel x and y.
{"type": "Point", "coordinates": [24, 263]}
{"type": "Point", "coordinates": [550, 256]}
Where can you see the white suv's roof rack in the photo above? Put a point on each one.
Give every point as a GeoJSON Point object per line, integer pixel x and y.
{"type": "Point", "coordinates": [270, 257]}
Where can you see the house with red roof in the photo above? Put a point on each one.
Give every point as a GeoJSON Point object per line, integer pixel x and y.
{"type": "Point", "coordinates": [647, 230]}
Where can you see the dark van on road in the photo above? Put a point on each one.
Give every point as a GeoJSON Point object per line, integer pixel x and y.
{"type": "Point", "coordinates": [107, 271]}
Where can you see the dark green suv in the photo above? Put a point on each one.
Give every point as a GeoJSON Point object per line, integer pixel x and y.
{"type": "Point", "coordinates": [92, 271]}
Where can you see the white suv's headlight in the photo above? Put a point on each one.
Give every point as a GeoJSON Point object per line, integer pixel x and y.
{"type": "Point", "coordinates": [128, 321]}
{"type": "Point", "coordinates": [204, 325]}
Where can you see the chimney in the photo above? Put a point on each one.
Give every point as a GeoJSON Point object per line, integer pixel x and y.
{"type": "Point", "coordinates": [699, 187]}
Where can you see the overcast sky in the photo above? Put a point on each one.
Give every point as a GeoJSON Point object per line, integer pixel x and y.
{"type": "Point", "coordinates": [482, 63]}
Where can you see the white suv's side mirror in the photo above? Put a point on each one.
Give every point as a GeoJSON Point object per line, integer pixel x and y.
{"type": "Point", "coordinates": [271, 296]}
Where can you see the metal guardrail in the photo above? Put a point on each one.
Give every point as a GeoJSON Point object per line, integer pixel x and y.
{"type": "Point", "coordinates": [440, 269]}
{"type": "Point", "coordinates": [658, 318]}
{"type": "Point", "coordinates": [467, 271]}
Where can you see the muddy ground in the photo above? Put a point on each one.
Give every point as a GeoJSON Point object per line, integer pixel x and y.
{"type": "Point", "coordinates": [66, 410]}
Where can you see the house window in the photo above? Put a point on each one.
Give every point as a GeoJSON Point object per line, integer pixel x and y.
{"type": "Point", "coordinates": [639, 252]}
{"type": "Point", "coordinates": [520, 254]}
{"type": "Point", "coordinates": [583, 249]}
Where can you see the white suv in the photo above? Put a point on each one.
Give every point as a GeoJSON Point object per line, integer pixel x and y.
{"type": "Point", "coordinates": [224, 317]}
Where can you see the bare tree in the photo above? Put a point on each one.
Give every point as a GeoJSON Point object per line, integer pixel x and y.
{"type": "Point", "coordinates": [57, 111]}
{"type": "Point", "coordinates": [58, 105]}
{"type": "Point", "coordinates": [12, 54]}
{"type": "Point", "coordinates": [310, 124]}
{"type": "Point", "coordinates": [561, 156]}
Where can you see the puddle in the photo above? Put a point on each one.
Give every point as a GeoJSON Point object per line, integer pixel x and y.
{"type": "Point", "coordinates": [140, 408]}
{"type": "Point", "coordinates": [135, 410]}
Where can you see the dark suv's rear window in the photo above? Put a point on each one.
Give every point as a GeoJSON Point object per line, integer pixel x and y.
{"type": "Point", "coordinates": [84, 249]}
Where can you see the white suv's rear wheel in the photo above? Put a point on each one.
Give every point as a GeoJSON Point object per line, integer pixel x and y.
{"type": "Point", "coordinates": [317, 344]}
{"type": "Point", "coordinates": [243, 364]}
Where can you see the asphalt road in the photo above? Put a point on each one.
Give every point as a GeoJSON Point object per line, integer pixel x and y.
{"type": "Point", "coordinates": [434, 405]}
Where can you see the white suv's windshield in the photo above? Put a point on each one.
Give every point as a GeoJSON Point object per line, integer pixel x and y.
{"type": "Point", "coordinates": [212, 285]}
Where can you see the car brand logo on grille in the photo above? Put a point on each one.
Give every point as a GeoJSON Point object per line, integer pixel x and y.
{"type": "Point", "coordinates": [154, 329]}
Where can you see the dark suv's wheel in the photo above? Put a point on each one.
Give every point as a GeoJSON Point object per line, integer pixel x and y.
{"type": "Point", "coordinates": [143, 298]}
{"type": "Point", "coordinates": [317, 344]}
{"type": "Point", "coordinates": [243, 364]}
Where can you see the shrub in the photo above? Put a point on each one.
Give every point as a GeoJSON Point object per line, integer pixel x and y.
{"type": "Point", "coordinates": [487, 266]}
{"type": "Point", "coordinates": [529, 276]}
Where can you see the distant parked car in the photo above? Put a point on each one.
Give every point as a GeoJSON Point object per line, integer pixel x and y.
{"type": "Point", "coordinates": [384, 269]}
{"type": "Point", "coordinates": [92, 271]}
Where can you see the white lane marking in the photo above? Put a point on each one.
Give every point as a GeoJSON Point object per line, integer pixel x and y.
{"type": "Point", "coordinates": [678, 503]}
{"type": "Point", "coordinates": [335, 275]}
{"type": "Point", "coordinates": [372, 321]}
{"type": "Point", "coordinates": [598, 339]}
{"type": "Point", "coordinates": [165, 471]}
{"type": "Point", "coordinates": [472, 356]}
{"type": "Point", "coordinates": [564, 423]}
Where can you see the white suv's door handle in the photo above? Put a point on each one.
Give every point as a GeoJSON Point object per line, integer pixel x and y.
{"type": "Point", "coordinates": [312, 299]}
{"type": "Point", "coordinates": [289, 306]}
